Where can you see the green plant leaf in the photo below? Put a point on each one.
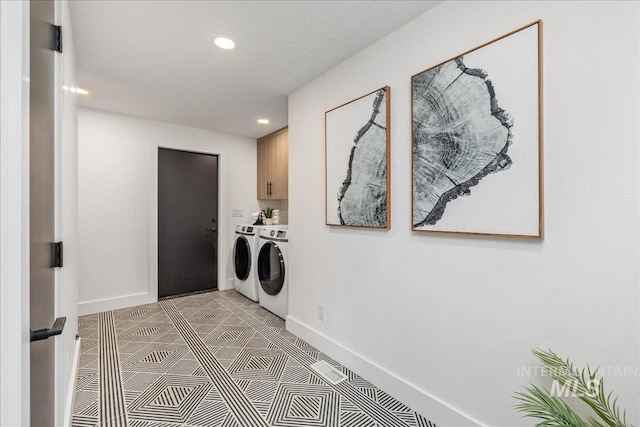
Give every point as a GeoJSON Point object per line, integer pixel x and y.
{"type": "Point", "coordinates": [539, 403]}
{"type": "Point", "coordinates": [581, 383]}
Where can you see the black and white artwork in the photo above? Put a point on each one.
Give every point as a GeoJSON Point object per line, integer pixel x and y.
{"type": "Point", "coordinates": [357, 167]}
{"type": "Point", "coordinates": [476, 140]}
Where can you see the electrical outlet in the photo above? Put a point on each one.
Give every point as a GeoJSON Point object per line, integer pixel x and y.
{"type": "Point", "coordinates": [321, 312]}
{"type": "Point", "coordinates": [237, 213]}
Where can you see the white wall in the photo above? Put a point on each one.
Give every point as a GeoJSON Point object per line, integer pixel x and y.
{"type": "Point", "coordinates": [118, 202]}
{"type": "Point", "coordinates": [443, 323]}
{"type": "Point", "coordinates": [281, 204]}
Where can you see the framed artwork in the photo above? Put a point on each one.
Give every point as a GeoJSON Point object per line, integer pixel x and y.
{"type": "Point", "coordinates": [357, 139]}
{"type": "Point", "coordinates": [477, 164]}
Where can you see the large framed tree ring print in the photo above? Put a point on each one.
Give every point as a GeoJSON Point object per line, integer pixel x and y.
{"type": "Point", "coordinates": [357, 140]}
{"type": "Point", "coordinates": [477, 163]}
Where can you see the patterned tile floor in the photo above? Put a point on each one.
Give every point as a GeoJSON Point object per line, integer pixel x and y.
{"type": "Point", "coordinates": [215, 360]}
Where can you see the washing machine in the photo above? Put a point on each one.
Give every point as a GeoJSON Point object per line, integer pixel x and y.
{"type": "Point", "coordinates": [245, 255]}
{"type": "Point", "coordinates": [272, 272]}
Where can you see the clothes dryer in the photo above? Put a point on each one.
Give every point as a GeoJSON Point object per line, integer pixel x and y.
{"type": "Point", "coordinates": [273, 289]}
{"type": "Point", "coordinates": [245, 254]}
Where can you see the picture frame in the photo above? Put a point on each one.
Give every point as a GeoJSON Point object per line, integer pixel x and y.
{"type": "Point", "coordinates": [357, 162]}
{"type": "Point", "coordinates": [477, 140]}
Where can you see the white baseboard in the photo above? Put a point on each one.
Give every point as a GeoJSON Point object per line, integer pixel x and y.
{"type": "Point", "coordinates": [98, 306]}
{"type": "Point", "coordinates": [431, 407]}
{"type": "Point", "coordinates": [71, 391]}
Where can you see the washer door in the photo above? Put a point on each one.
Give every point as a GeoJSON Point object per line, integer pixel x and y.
{"type": "Point", "coordinates": [241, 258]}
{"type": "Point", "coordinates": [271, 268]}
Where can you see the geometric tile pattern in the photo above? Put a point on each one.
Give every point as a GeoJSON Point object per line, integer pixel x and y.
{"type": "Point", "coordinates": [145, 331]}
{"type": "Point", "coordinates": [112, 410]}
{"type": "Point", "coordinates": [259, 365]}
{"type": "Point", "coordinates": [215, 360]}
{"type": "Point", "coordinates": [245, 413]}
{"type": "Point", "coordinates": [301, 405]}
{"type": "Point", "coordinates": [171, 398]}
{"type": "Point", "coordinates": [208, 316]}
{"type": "Point", "coordinates": [230, 336]}
{"type": "Point", "coordinates": [371, 407]}
{"type": "Point", "coordinates": [137, 313]}
{"type": "Point", "coordinates": [159, 361]}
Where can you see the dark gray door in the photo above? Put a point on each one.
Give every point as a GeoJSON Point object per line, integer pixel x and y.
{"type": "Point", "coordinates": [187, 222]}
{"type": "Point", "coordinates": [42, 211]}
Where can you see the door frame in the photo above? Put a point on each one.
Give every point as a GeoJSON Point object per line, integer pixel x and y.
{"type": "Point", "coordinates": [153, 211]}
{"type": "Point", "coordinates": [14, 214]}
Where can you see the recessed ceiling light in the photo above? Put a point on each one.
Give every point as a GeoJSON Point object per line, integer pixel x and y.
{"type": "Point", "coordinates": [263, 121]}
{"type": "Point", "coordinates": [224, 43]}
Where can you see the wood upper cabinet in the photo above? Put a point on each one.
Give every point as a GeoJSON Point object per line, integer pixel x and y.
{"type": "Point", "coordinates": [273, 165]}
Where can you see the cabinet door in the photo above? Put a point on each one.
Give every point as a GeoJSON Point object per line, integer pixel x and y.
{"type": "Point", "coordinates": [280, 176]}
{"type": "Point", "coordinates": [263, 168]}
{"type": "Point", "coordinates": [273, 166]}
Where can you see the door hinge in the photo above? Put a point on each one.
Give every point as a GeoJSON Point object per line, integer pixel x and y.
{"type": "Point", "coordinates": [57, 254]}
{"type": "Point", "coordinates": [57, 38]}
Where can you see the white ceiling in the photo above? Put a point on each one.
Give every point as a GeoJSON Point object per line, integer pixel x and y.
{"type": "Point", "coordinates": [156, 59]}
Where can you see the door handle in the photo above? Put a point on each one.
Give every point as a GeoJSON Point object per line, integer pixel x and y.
{"type": "Point", "coordinates": [43, 334]}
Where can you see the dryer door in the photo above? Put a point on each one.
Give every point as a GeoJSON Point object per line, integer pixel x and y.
{"type": "Point", "coordinates": [271, 268]}
{"type": "Point", "coordinates": [242, 258]}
